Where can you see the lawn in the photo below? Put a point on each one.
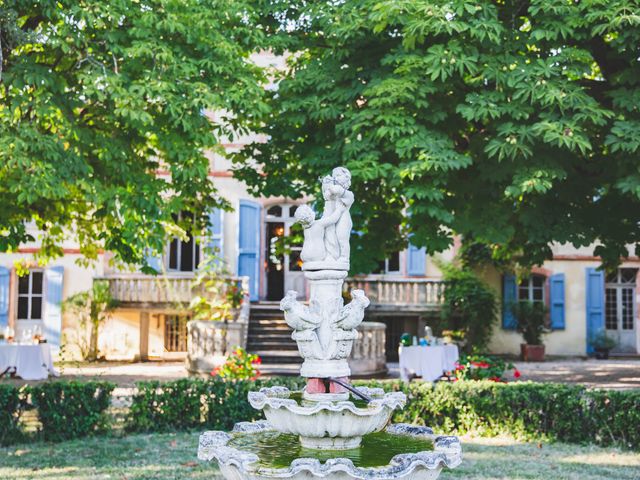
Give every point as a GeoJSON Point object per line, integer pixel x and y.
{"type": "Point", "coordinates": [173, 456]}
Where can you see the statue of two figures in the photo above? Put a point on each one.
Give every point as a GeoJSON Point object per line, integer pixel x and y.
{"type": "Point", "coordinates": [326, 328]}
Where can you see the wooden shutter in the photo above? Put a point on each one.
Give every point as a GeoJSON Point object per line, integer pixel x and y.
{"type": "Point", "coordinates": [509, 296]}
{"type": "Point", "coordinates": [416, 261]}
{"type": "Point", "coordinates": [54, 277]}
{"type": "Point", "coordinates": [556, 301]}
{"type": "Point", "coordinates": [216, 230]}
{"type": "Point", "coordinates": [595, 305]}
{"type": "Point", "coordinates": [249, 245]}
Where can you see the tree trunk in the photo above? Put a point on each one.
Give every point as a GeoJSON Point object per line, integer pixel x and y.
{"type": "Point", "coordinates": [93, 341]}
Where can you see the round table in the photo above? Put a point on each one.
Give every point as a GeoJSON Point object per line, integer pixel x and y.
{"type": "Point", "coordinates": [27, 361]}
{"type": "Point", "coordinates": [429, 362]}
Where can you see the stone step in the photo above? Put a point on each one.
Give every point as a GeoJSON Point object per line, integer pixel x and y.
{"type": "Point", "coordinates": [274, 357]}
{"type": "Point", "coordinates": [274, 347]}
{"type": "Point", "coordinates": [277, 335]}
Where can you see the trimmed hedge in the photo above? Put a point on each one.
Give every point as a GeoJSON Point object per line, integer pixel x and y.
{"type": "Point", "coordinates": [568, 413]}
{"type": "Point", "coordinates": [72, 409]}
{"type": "Point", "coordinates": [11, 405]}
{"type": "Point", "coordinates": [527, 410]}
{"type": "Point", "coordinates": [195, 403]}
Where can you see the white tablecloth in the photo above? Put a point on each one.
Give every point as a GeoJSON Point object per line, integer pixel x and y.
{"type": "Point", "coordinates": [428, 362]}
{"type": "Point", "coordinates": [29, 362]}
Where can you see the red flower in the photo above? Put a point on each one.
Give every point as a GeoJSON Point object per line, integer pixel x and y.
{"type": "Point", "coordinates": [480, 364]}
{"type": "Point", "coordinates": [257, 360]}
{"type": "Point", "coordinates": [495, 379]}
{"type": "Point", "coordinates": [517, 374]}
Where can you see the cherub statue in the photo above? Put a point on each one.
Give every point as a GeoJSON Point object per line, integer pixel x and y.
{"type": "Point", "coordinates": [297, 315]}
{"type": "Point", "coordinates": [313, 248]}
{"type": "Point", "coordinates": [335, 190]}
{"type": "Point", "coordinates": [352, 314]}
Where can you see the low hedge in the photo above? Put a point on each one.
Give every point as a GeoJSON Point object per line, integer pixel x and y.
{"type": "Point", "coordinates": [568, 413]}
{"type": "Point", "coordinates": [194, 403]}
{"type": "Point", "coordinates": [71, 409]}
{"type": "Point", "coordinates": [11, 404]}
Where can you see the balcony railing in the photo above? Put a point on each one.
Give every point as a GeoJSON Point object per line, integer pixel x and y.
{"type": "Point", "coordinates": [152, 290]}
{"type": "Point", "coordinates": [407, 294]}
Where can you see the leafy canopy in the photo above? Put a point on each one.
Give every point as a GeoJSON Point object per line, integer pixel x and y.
{"type": "Point", "coordinates": [102, 127]}
{"type": "Point", "coordinates": [515, 124]}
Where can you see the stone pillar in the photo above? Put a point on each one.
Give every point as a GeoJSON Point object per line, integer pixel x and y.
{"type": "Point", "coordinates": [369, 356]}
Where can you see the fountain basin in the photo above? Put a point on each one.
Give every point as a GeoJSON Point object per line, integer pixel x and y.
{"type": "Point", "coordinates": [258, 451]}
{"type": "Point", "coordinates": [326, 424]}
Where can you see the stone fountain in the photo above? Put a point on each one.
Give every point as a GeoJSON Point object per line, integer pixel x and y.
{"type": "Point", "coordinates": [330, 429]}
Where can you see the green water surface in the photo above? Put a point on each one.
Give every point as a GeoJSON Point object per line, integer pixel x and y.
{"type": "Point", "coordinates": [278, 450]}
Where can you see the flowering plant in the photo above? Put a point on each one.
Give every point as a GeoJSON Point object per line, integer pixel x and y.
{"type": "Point", "coordinates": [483, 367]}
{"type": "Point", "coordinates": [240, 365]}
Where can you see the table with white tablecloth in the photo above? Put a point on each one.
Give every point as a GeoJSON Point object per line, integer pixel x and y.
{"type": "Point", "coordinates": [29, 362]}
{"type": "Point", "coordinates": [427, 361]}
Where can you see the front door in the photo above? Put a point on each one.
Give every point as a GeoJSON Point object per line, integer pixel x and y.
{"type": "Point", "coordinates": [283, 245]}
{"type": "Point", "coordinates": [620, 310]}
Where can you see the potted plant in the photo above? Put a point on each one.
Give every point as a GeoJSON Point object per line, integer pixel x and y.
{"type": "Point", "coordinates": [531, 324]}
{"type": "Point", "coordinates": [602, 345]}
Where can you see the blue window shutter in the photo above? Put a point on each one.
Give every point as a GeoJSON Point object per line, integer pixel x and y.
{"type": "Point", "coordinates": [249, 245]}
{"type": "Point", "coordinates": [416, 261]}
{"type": "Point", "coordinates": [4, 297]}
{"type": "Point", "coordinates": [509, 296]}
{"type": "Point", "coordinates": [216, 230]}
{"type": "Point", "coordinates": [53, 312]}
{"type": "Point", "coordinates": [154, 261]}
{"type": "Point", "coordinates": [556, 301]}
{"type": "Point", "coordinates": [595, 305]}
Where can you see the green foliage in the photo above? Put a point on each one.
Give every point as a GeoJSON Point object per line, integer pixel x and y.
{"type": "Point", "coordinates": [218, 294]}
{"type": "Point", "coordinates": [603, 341]}
{"type": "Point", "coordinates": [194, 403]}
{"type": "Point", "coordinates": [106, 116]}
{"type": "Point", "coordinates": [469, 305]}
{"type": "Point", "coordinates": [93, 308]}
{"type": "Point", "coordinates": [494, 120]}
{"type": "Point", "coordinates": [483, 367]}
{"type": "Point", "coordinates": [11, 405]}
{"type": "Point", "coordinates": [71, 409]}
{"type": "Point", "coordinates": [531, 319]}
{"type": "Point", "coordinates": [527, 410]}
{"type": "Point", "coordinates": [239, 365]}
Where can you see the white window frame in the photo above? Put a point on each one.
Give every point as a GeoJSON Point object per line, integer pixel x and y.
{"type": "Point", "coordinates": [620, 287]}
{"type": "Point", "coordinates": [29, 296]}
{"type": "Point", "coordinates": [196, 254]}
{"type": "Point", "coordinates": [530, 288]}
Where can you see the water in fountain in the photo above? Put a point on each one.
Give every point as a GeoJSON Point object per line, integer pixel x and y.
{"type": "Point", "coordinates": [330, 429]}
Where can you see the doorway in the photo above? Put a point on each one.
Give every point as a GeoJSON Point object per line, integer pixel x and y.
{"type": "Point", "coordinates": [620, 309]}
{"type": "Point", "coordinates": [283, 246]}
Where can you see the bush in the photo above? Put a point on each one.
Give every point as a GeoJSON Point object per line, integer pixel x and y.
{"type": "Point", "coordinates": [469, 306]}
{"type": "Point", "coordinates": [187, 404]}
{"type": "Point", "coordinates": [483, 367]}
{"type": "Point", "coordinates": [527, 410]}
{"type": "Point", "coordinates": [71, 409]}
{"type": "Point", "coordinates": [11, 404]}
{"type": "Point", "coordinates": [530, 320]}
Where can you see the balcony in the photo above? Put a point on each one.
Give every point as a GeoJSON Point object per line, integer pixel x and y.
{"type": "Point", "coordinates": [161, 291]}
{"type": "Point", "coordinates": [406, 295]}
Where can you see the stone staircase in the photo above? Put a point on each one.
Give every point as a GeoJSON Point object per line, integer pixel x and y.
{"type": "Point", "coordinates": [270, 337]}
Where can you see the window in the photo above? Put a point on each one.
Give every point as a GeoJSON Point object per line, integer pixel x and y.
{"type": "Point", "coordinates": [391, 264]}
{"type": "Point", "coordinates": [532, 289]}
{"type": "Point", "coordinates": [619, 305]}
{"type": "Point", "coordinates": [175, 333]}
{"type": "Point", "coordinates": [30, 293]}
{"type": "Point", "coordinates": [184, 255]}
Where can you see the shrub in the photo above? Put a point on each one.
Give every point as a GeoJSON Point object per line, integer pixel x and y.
{"type": "Point", "coordinates": [11, 405]}
{"type": "Point", "coordinates": [569, 413]}
{"type": "Point", "coordinates": [239, 365]}
{"type": "Point", "coordinates": [483, 367]}
{"type": "Point", "coordinates": [71, 409]}
{"type": "Point", "coordinates": [188, 403]}
{"type": "Point", "coordinates": [469, 306]}
{"type": "Point", "coordinates": [531, 320]}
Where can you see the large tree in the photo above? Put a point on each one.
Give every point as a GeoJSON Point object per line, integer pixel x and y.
{"type": "Point", "coordinates": [515, 124]}
{"type": "Point", "coordinates": [97, 98]}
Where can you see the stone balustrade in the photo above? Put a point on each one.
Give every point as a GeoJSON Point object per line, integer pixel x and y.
{"type": "Point", "coordinates": [409, 294]}
{"type": "Point", "coordinates": [149, 290]}
{"type": "Point", "coordinates": [368, 353]}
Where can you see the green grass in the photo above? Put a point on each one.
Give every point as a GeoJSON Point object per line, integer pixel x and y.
{"type": "Point", "coordinates": [173, 456]}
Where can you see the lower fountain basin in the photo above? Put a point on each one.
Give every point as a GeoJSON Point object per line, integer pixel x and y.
{"type": "Point", "coordinates": [258, 451]}
{"type": "Point", "coordinates": [326, 424]}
